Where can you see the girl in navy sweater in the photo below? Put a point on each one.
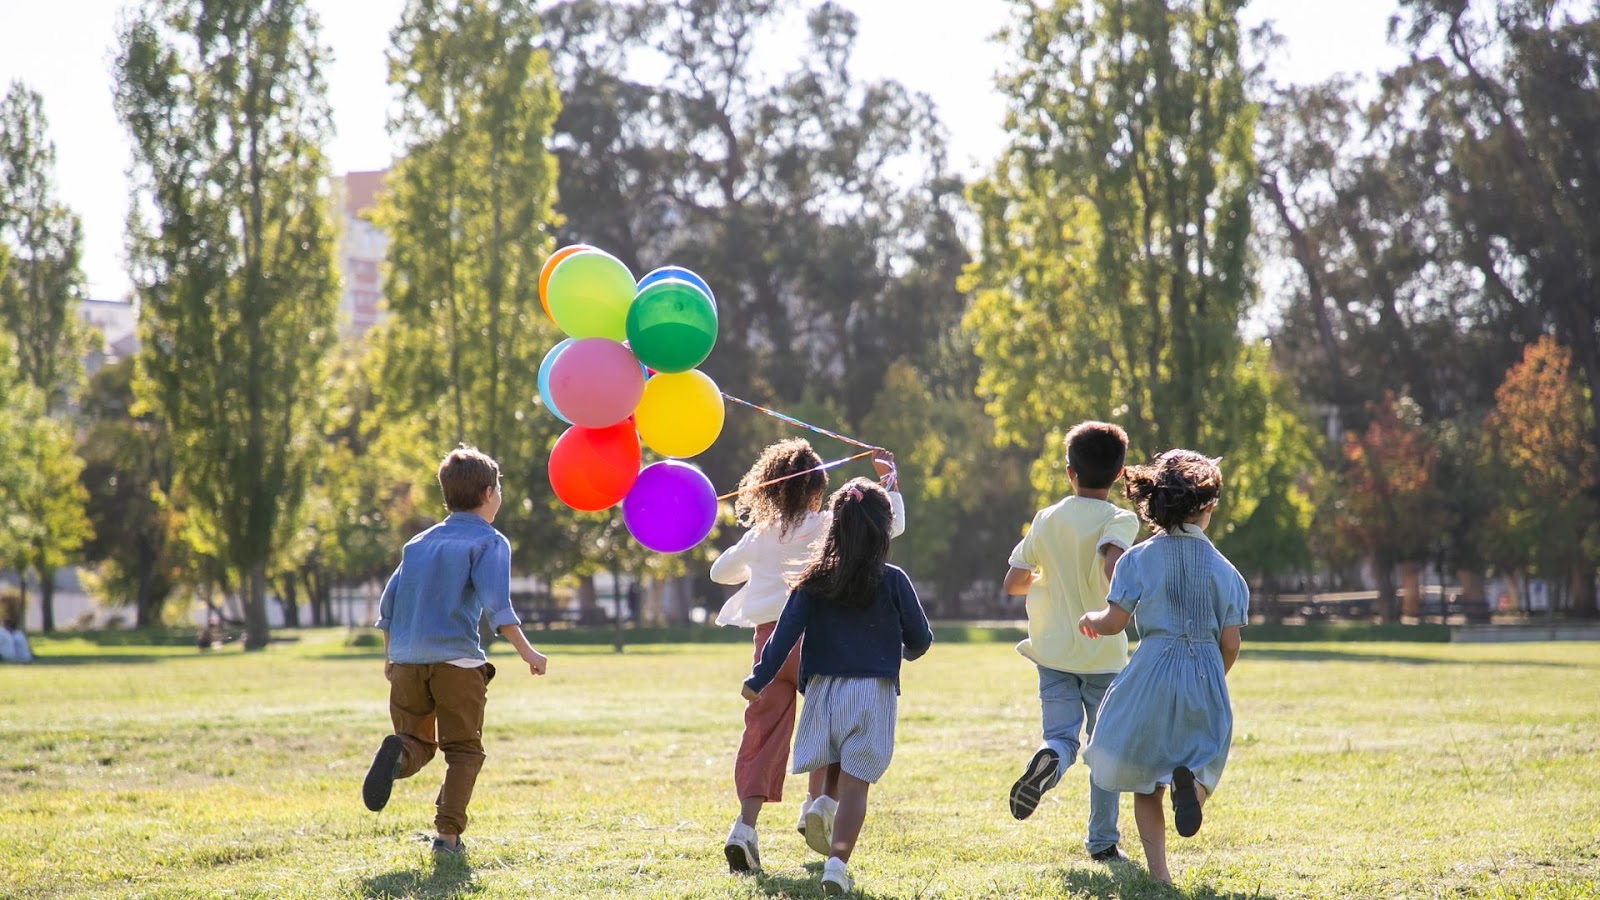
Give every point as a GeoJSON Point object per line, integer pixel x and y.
{"type": "Point", "coordinates": [860, 617]}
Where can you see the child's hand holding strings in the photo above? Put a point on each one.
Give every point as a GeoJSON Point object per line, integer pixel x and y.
{"type": "Point", "coordinates": [883, 464]}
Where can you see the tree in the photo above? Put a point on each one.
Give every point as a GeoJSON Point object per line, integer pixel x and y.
{"type": "Point", "coordinates": [1383, 296]}
{"type": "Point", "coordinates": [1388, 505]}
{"type": "Point", "coordinates": [53, 508]}
{"type": "Point", "coordinates": [365, 501]}
{"type": "Point", "coordinates": [18, 482]}
{"type": "Point", "coordinates": [469, 213]}
{"type": "Point", "coordinates": [819, 206]}
{"type": "Point", "coordinates": [231, 249]}
{"type": "Point", "coordinates": [1538, 433]}
{"type": "Point", "coordinates": [1509, 89]}
{"type": "Point", "coordinates": [128, 476]}
{"type": "Point", "coordinates": [42, 284]}
{"type": "Point", "coordinates": [1113, 270]}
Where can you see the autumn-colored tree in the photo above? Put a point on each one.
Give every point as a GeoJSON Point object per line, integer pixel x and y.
{"type": "Point", "coordinates": [1388, 505]}
{"type": "Point", "coordinates": [1538, 434]}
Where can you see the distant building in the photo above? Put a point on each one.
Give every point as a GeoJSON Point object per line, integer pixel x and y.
{"type": "Point", "coordinates": [117, 323]}
{"type": "Point", "coordinates": [361, 250]}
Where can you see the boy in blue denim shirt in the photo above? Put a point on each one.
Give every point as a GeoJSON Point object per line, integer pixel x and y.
{"type": "Point", "coordinates": [449, 576]}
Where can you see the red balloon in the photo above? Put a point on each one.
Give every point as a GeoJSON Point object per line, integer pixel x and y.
{"type": "Point", "coordinates": [594, 468]}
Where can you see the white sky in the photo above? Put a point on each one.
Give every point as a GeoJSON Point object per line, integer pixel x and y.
{"type": "Point", "coordinates": [64, 48]}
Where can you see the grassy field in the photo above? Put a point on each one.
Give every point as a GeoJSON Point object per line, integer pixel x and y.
{"type": "Point", "coordinates": [1359, 770]}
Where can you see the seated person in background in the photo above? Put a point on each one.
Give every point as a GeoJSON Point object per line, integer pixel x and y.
{"type": "Point", "coordinates": [14, 644]}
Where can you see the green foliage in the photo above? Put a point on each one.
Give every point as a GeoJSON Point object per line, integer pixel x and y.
{"type": "Point", "coordinates": [128, 474]}
{"type": "Point", "coordinates": [231, 247]}
{"type": "Point", "coordinates": [469, 212]}
{"type": "Point", "coordinates": [41, 285]}
{"type": "Point", "coordinates": [820, 208]}
{"type": "Point", "coordinates": [17, 482]}
{"type": "Point", "coordinates": [1113, 274]}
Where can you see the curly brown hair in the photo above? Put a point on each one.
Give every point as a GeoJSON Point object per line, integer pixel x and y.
{"type": "Point", "coordinates": [1173, 489]}
{"type": "Point", "coordinates": [784, 504]}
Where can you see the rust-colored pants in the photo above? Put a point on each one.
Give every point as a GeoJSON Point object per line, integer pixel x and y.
{"type": "Point", "coordinates": [440, 706]}
{"type": "Point", "coordinates": [763, 759]}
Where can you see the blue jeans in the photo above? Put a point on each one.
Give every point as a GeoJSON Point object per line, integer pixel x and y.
{"type": "Point", "coordinates": [1067, 702]}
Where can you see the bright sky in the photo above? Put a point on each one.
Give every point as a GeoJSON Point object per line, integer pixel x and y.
{"type": "Point", "coordinates": [64, 50]}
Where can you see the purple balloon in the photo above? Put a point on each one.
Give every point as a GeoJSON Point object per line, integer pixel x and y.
{"type": "Point", "coordinates": [671, 507]}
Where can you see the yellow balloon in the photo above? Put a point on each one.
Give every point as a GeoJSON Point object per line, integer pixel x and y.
{"type": "Point", "coordinates": [681, 413]}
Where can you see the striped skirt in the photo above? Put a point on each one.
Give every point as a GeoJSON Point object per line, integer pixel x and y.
{"type": "Point", "coordinates": [849, 721]}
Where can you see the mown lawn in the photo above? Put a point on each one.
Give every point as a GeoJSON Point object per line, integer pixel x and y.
{"type": "Point", "coordinates": [1359, 770]}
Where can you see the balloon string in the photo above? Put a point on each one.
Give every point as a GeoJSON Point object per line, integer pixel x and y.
{"type": "Point", "coordinates": [799, 424]}
{"type": "Point", "coordinates": [822, 468]}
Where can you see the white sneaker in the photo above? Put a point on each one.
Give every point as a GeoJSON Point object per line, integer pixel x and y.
{"type": "Point", "coordinates": [819, 824]}
{"type": "Point", "coordinates": [805, 807]}
{"type": "Point", "coordinates": [835, 880]}
{"type": "Point", "coordinates": [742, 850]}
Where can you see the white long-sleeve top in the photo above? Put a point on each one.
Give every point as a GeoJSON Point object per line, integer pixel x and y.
{"type": "Point", "coordinates": [764, 561]}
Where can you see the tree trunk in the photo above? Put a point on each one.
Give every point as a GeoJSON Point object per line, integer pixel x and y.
{"type": "Point", "coordinates": [288, 598]}
{"type": "Point", "coordinates": [145, 614]}
{"type": "Point", "coordinates": [310, 584]}
{"type": "Point", "coordinates": [1583, 584]}
{"type": "Point", "coordinates": [617, 612]}
{"type": "Point", "coordinates": [683, 594]}
{"type": "Point", "coordinates": [1411, 589]}
{"type": "Point", "coordinates": [47, 601]}
{"type": "Point", "coordinates": [588, 601]}
{"type": "Point", "coordinates": [256, 631]}
{"type": "Point", "coordinates": [1271, 604]}
{"type": "Point", "coordinates": [1383, 572]}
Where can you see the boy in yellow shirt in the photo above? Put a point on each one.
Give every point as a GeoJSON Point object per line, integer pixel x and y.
{"type": "Point", "coordinates": [1064, 567]}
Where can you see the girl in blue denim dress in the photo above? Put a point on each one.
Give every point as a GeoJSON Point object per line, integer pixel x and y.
{"type": "Point", "coordinates": [1166, 720]}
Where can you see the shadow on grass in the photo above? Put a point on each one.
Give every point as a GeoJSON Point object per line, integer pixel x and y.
{"type": "Point", "coordinates": [445, 879]}
{"type": "Point", "coordinates": [1130, 882]}
{"type": "Point", "coordinates": [1320, 654]}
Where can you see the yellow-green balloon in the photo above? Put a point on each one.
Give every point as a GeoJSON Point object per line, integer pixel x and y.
{"type": "Point", "coordinates": [681, 413]}
{"type": "Point", "coordinates": [590, 292]}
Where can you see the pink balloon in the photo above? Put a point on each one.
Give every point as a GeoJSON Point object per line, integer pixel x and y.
{"type": "Point", "coordinates": [596, 382]}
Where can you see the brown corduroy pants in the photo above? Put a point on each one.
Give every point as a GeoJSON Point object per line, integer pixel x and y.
{"type": "Point", "coordinates": [440, 707]}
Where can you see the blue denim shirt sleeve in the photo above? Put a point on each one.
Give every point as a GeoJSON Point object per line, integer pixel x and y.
{"type": "Point", "coordinates": [386, 605]}
{"type": "Point", "coordinates": [915, 633]}
{"type": "Point", "coordinates": [491, 579]}
{"type": "Point", "coordinates": [791, 624]}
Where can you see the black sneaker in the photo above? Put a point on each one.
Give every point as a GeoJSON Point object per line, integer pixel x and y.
{"type": "Point", "coordinates": [380, 778]}
{"type": "Point", "coordinates": [1185, 802]}
{"type": "Point", "coordinates": [1110, 854]}
{"type": "Point", "coordinates": [1029, 788]}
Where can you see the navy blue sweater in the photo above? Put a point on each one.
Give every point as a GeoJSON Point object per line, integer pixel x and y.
{"type": "Point", "coordinates": [855, 642]}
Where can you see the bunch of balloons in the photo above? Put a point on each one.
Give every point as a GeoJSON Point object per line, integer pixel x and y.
{"type": "Point", "coordinates": [625, 377]}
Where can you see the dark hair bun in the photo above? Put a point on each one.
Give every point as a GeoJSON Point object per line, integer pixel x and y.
{"type": "Point", "coordinates": [1175, 488]}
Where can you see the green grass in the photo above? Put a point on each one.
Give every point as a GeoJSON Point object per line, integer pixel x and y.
{"type": "Point", "coordinates": [1359, 770]}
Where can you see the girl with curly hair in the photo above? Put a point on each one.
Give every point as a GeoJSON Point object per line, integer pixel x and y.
{"type": "Point", "coordinates": [1167, 720]}
{"type": "Point", "coordinates": [780, 502]}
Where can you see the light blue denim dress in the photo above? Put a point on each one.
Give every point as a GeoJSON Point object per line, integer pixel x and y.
{"type": "Point", "coordinates": [1169, 707]}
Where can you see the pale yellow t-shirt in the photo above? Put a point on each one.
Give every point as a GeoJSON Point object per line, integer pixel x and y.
{"type": "Point", "coordinates": [1063, 547]}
